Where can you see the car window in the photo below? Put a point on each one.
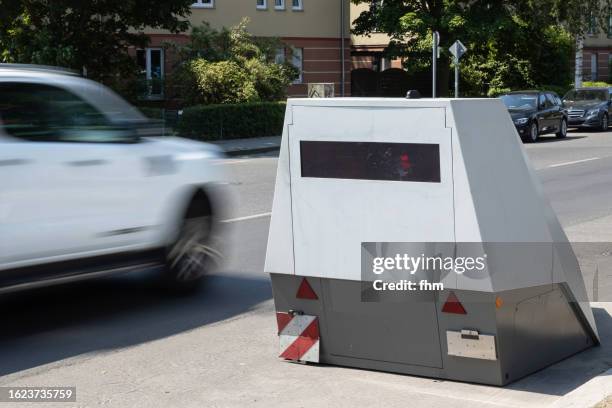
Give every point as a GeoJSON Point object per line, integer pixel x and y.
{"type": "Point", "coordinates": [542, 101]}
{"type": "Point", "coordinates": [40, 112]}
{"type": "Point", "coordinates": [586, 95]}
{"type": "Point", "coordinates": [519, 101]}
{"type": "Point", "coordinates": [550, 100]}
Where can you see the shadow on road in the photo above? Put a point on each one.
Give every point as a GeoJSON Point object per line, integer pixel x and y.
{"type": "Point", "coordinates": [53, 324]}
{"type": "Point", "coordinates": [553, 138]}
{"type": "Point", "coordinates": [571, 373]}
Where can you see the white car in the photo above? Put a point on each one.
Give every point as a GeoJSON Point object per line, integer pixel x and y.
{"type": "Point", "coordinates": [85, 192]}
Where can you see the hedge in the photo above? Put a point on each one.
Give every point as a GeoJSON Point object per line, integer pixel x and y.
{"type": "Point", "coordinates": [596, 84]}
{"type": "Point", "coordinates": [151, 113]}
{"type": "Point", "coordinates": [232, 121]}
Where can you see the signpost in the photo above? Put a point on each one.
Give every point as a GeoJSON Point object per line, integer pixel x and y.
{"type": "Point", "coordinates": [458, 50]}
{"type": "Point", "coordinates": [434, 58]}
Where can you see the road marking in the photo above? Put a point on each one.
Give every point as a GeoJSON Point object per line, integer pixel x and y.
{"type": "Point", "coordinates": [224, 162]}
{"type": "Point", "coordinates": [248, 217]}
{"type": "Point", "coordinates": [574, 162]}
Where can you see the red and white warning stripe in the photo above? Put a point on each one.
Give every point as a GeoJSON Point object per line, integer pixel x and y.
{"type": "Point", "coordinates": [299, 337]}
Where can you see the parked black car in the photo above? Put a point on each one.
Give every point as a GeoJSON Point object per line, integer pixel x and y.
{"type": "Point", "coordinates": [588, 107]}
{"type": "Point", "coordinates": [535, 113]}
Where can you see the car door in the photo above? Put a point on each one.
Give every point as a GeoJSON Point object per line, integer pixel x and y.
{"type": "Point", "coordinates": [555, 112]}
{"type": "Point", "coordinates": [542, 116]}
{"type": "Point", "coordinates": [71, 183]}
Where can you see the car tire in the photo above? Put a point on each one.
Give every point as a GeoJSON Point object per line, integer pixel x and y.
{"type": "Point", "coordinates": [562, 133]}
{"type": "Point", "coordinates": [190, 256]}
{"type": "Point", "coordinates": [534, 133]}
{"type": "Point", "coordinates": [604, 123]}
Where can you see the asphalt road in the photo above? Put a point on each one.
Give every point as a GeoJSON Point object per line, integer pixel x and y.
{"type": "Point", "coordinates": [123, 342]}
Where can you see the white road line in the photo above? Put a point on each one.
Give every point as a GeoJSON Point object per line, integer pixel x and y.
{"type": "Point", "coordinates": [248, 217]}
{"type": "Point", "coordinates": [224, 162]}
{"type": "Point", "coordinates": [574, 162]}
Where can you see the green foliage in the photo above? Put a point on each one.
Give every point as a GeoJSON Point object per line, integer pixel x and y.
{"type": "Point", "coordinates": [229, 66]}
{"type": "Point", "coordinates": [559, 90]}
{"type": "Point", "coordinates": [595, 84]}
{"type": "Point", "coordinates": [91, 36]}
{"type": "Point", "coordinates": [151, 113]}
{"type": "Point", "coordinates": [512, 44]}
{"type": "Point", "coordinates": [220, 82]}
{"type": "Point", "coordinates": [215, 122]}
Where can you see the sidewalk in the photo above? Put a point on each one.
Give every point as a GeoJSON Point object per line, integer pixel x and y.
{"type": "Point", "coordinates": [239, 147]}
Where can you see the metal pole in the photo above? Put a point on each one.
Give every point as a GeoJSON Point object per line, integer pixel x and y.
{"type": "Point", "coordinates": [456, 77]}
{"type": "Point", "coordinates": [342, 46]}
{"type": "Point", "coordinates": [434, 58]}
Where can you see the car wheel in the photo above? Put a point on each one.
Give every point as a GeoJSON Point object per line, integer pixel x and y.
{"type": "Point", "coordinates": [189, 258]}
{"type": "Point", "coordinates": [534, 133]}
{"type": "Point", "coordinates": [604, 122]}
{"type": "Point", "coordinates": [562, 129]}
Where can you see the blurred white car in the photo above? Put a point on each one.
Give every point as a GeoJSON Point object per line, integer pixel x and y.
{"type": "Point", "coordinates": [84, 191]}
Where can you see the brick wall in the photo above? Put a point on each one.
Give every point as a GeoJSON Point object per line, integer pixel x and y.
{"type": "Point", "coordinates": [601, 68]}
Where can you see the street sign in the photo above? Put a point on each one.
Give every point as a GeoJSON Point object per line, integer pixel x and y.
{"type": "Point", "coordinates": [458, 49]}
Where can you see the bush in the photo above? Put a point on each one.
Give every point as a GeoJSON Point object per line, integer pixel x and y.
{"type": "Point", "coordinates": [220, 82]}
{"type": "Point", "coordinates": [151, 113]}
{"type": "Point", "coordinates": [232, 121]}
{"type": "Point", "coordinates": [559, 90]}
{"type": "Point", "coordinates": [229, 67]}
{"type": "Point", "coordinates": [600, 84]}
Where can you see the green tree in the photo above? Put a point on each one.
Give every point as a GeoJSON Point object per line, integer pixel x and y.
{"type": "Point", "coordinates": [91, 36]}
{"type": "Point", "coordinates": [515, 43]}
{"type": "Point", "coordinates": [229, 66]}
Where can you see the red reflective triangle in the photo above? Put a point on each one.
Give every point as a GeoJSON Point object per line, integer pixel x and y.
{"type": "Point", "coordinates": [453, 305]}
{"type": "Point", "coordinates": [305, 291]}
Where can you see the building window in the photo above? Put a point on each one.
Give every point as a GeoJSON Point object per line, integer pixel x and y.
{"type": "Point", "coordinates": [203, 4]}
{"type": "Point", "coordinates": [151, 64]}
{"type": "Point", "coordinates": [279, 4]}
{"type": "Point", "coordinates": [297, 61]}
{"type": "Point", "coordinates": [262, 4]}
{"type": "Point", "coordinates": [594, 67]}
{"type": "Point", "coordinates": [297, 5]}
{"type": "Point", "coordinates": [279, 56]}
{"type": "Point", "coordinates": [592, 24]}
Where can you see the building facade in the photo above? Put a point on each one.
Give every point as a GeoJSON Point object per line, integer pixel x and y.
{"type": "Point", "coordinates": [316, 34]}
{"type": "Point", "coordinates": [597, 54]}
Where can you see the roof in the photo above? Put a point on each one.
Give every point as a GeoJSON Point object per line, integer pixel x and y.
{"type": "Point", "coordinates": [531, 91]}
{"type": "Point", "coordinates": [38, 68]}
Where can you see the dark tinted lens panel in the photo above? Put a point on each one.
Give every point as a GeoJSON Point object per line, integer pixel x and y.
{"type": "Point", "coordinates": [371, 161]}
